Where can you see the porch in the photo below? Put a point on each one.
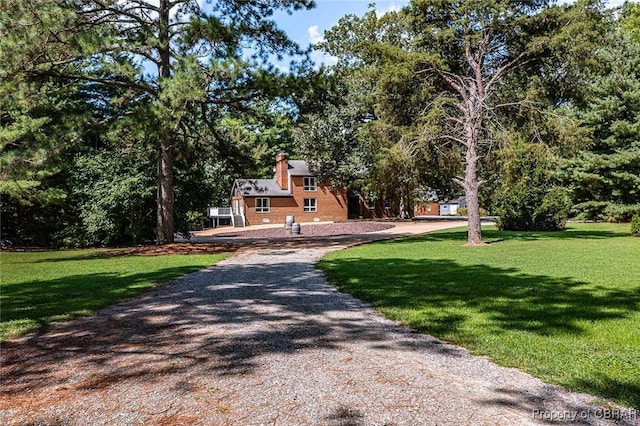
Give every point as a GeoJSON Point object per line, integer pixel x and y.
{"type": "Point", "coordinates": [217, 213]}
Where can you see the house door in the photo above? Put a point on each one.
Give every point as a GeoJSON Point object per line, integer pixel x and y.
{"type": "Point", "coordinates": [353, 205]}
{"type": "Point", "coordinates": [236, 207]}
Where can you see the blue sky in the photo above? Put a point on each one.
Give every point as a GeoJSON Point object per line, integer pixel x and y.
{"type": "Point", "coordinates": [307, 27]}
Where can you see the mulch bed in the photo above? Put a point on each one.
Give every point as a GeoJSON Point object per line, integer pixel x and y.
{"type": "Point", "coordinates": [151, 250]}
{"type": "Point", "coordinates": [261, 237]}
{"type": "Point", "coordinates": [174, 248]}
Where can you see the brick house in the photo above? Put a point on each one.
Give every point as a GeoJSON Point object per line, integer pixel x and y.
{"type": "Point", "coordinates": [294, 190]}
{"type": "Point", "coordinates": [426, 208]}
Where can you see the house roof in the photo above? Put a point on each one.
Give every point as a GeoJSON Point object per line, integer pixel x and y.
{"type": "Point", "coordinates": [299, 168]}
{"type": "Point", "coordinates": [260, 188]}
{"type": "Point", "coordinates": [270, 187]}
{"type": "Point", "coordinates": [454, 201]}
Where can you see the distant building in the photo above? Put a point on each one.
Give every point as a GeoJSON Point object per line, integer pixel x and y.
{"type": "Point", "coordinates": [293, 191]}
{"type": "Point", "coordinates": [450, 207]}
{"type": "Point", "coordinates": [296, 191]}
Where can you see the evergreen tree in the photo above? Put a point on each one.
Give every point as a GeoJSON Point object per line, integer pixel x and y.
{"type": "Point", "coordinates": [196, 67]}
{"type": "Point", "coordinates": [605, 177]}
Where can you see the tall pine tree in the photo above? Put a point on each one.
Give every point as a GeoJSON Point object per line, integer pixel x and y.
{"type": "Point", "coordinates": [605, 177]}
{"type": "Point", "coordinates": [200, 62]}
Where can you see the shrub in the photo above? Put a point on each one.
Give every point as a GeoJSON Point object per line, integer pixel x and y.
{"type": "Point", "coordinates": [635, 225]}
{"type": "Point", "coordinates": [528, 200]}
{"type": "Point", "coordinates": [463, 211]}
{"type": "Point", "coordinates": [521, 209]}
{"type": "Point", "coordinates": [605, 210]}
{"type": "Point", "coordinates": [514, 206]}
{"type": "Point", "coordinates": [553, 212]}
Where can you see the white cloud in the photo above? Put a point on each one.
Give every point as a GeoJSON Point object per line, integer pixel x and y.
{"type": "Point", "coordinates": [283, 68]}
{"type": "Point", "coordinates": [390, 8]}
{"type": "Point", "coordinates": [608, 3]}
{"type": "Point", "coordinates": [319, 58]}
{"type": "Point", "coordinates": [314, 35]}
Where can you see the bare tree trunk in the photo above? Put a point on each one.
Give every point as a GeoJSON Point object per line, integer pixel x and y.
{"type": "Point", "coordinates": [165, 193]}
{"type": "Point", "coordinates": [471, 185]}
{"type": "Point", "coordinates": [473, 128]}
{"type": "Point", "coordinates": [474, 89]}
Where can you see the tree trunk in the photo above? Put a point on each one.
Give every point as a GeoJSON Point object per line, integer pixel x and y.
{"type": "Point", "coordinates": [165, 196]}
{"type": "Point", "coordinates": [473, 129]}
{"type": "Point", "coordinates": [474, 237]}
{"type": "Point", "coordinates": [165, 193]}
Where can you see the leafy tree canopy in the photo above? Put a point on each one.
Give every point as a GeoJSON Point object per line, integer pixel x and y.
{"type": "Point", "coordinates": [448, 77]}
{"type": "Point", "coordinates": [192, 68]}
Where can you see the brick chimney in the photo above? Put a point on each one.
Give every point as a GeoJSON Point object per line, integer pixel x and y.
{"type": "Point", "coordinates": [282, 170]}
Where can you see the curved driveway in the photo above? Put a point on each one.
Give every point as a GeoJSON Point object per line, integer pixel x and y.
{"type": "Point", "coordinates": [261, 338]}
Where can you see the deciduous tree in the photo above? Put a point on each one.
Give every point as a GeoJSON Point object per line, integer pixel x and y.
{"type": "Point", "coordinates": [441, 68]}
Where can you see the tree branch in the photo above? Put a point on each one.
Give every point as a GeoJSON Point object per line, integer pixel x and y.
{"type": "Point", "coordinates": [500, 71]}
{"type": "Point", "coordinates": [109, 82]}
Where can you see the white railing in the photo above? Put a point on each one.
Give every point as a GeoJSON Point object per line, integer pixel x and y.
{"type": "Point", "coordinates": [219, 212]}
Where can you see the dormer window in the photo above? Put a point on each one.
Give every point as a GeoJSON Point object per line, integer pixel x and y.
{"type": "Point", "coordinates": [310, 184]}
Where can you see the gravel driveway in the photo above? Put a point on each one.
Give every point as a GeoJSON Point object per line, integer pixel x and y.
{"type": "Point", "coordinates": [261, 338]}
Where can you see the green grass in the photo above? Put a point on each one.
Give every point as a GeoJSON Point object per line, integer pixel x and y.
{"type": "Point", "coordinates": [564, 307]}
{"type": "Point", "coordinates": [39, 288]}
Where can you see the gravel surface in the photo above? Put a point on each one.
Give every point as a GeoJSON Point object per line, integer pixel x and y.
{"type": "Point", "coordinates": [261, 338]}
{"type": "Point", "coordinates": [310, 230]}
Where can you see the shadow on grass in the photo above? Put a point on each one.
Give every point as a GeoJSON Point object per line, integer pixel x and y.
{"type": "Point", "coordinates": [51, 256]}
{"type": "Point", "coordinates": [46, 300]}
{"type": "Point", "coordinates": [447, 299]}
{"type": "Point", "coordinates": [612, 388]}
{"type": "Point", "coordinates": [225, 321]}
{"type": "Point", "coordinates": [513, 300]}
{"type": "Point", "coordinates": [493, 236]}
{"type": "Point", "coordinates": [151, 250]}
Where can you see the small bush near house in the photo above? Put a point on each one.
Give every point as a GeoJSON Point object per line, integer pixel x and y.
{"type": "Point", "coordinates": [463, 211]}
{"type": "Point", "coordinates": [635, 225]}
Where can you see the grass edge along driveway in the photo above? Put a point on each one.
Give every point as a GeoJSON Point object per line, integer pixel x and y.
{"type": "Point", "coordinates": [564, 307]}
{"type": "Point", "coordinates": [41, 288]}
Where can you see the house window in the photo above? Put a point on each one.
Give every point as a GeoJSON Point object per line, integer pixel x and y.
{"type": "Point", "coordinates": [310, 205]}
{"type": "Point", "coordinates": [372, 205]}
{"type": "Point", "coordinates": [387, 203]}
{"type": "Point", "coordinates": [262, 205]}
{"type": "Point", "coordinates": [309, 184]}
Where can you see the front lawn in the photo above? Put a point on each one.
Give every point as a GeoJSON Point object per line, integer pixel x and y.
{"type": "Point", "coordinates": [38, 288]}
{"type": "Point", "coordinates": [564, 307]}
